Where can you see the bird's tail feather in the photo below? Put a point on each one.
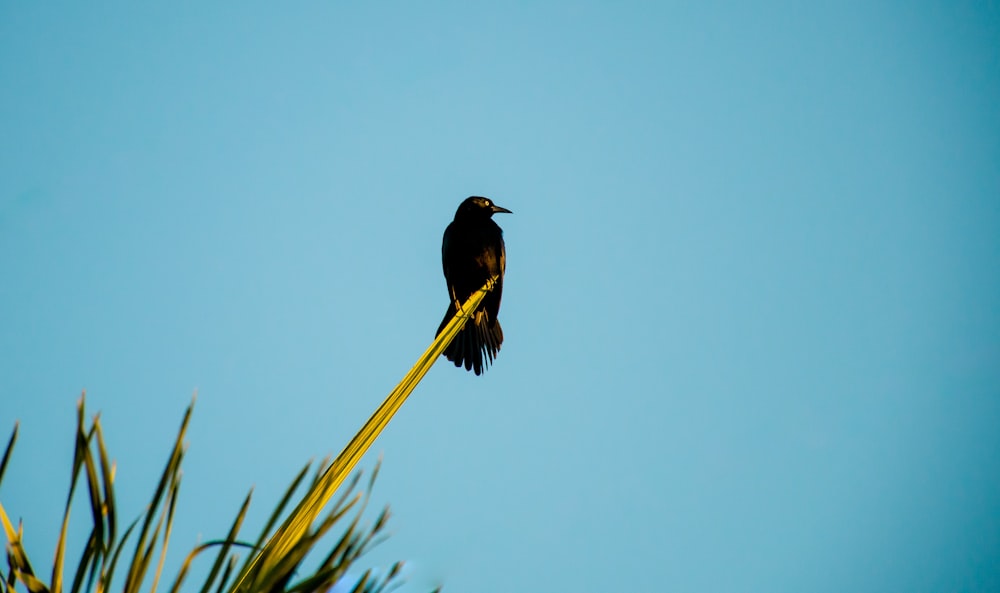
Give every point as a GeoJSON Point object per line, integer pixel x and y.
{"type": "Point", "coordinates": [480, 336]}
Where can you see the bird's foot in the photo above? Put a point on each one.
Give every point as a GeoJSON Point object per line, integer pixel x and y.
{"type": "Point", "coordinates": [456, 302]}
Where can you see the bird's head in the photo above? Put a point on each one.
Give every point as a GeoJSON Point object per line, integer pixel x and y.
{"type": "Point", "coordinates": [478, 207]}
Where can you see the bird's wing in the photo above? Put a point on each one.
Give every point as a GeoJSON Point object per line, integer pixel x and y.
{"type": "Point", "coordinates": [444, 253]}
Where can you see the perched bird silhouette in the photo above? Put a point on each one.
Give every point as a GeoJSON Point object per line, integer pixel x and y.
{"type": "Point", "coordinates": [472, 252]}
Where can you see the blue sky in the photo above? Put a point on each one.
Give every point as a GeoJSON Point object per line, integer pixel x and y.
{"type": "Point", "coordinates": [751, 313]}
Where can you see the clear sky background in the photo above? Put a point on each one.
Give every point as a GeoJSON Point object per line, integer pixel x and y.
{"type": "Point", "coordinates": [752, 306]}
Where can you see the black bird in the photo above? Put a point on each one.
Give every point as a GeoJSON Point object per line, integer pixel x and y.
{"type": "Point", "coordinates": [472, 252]}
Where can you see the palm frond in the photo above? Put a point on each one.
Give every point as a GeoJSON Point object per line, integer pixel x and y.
{"type": "Point", "coordinates": [276, 556]}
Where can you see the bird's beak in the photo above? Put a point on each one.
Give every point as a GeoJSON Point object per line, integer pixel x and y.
{"type": "Point", "coordinates": [499, 209]}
